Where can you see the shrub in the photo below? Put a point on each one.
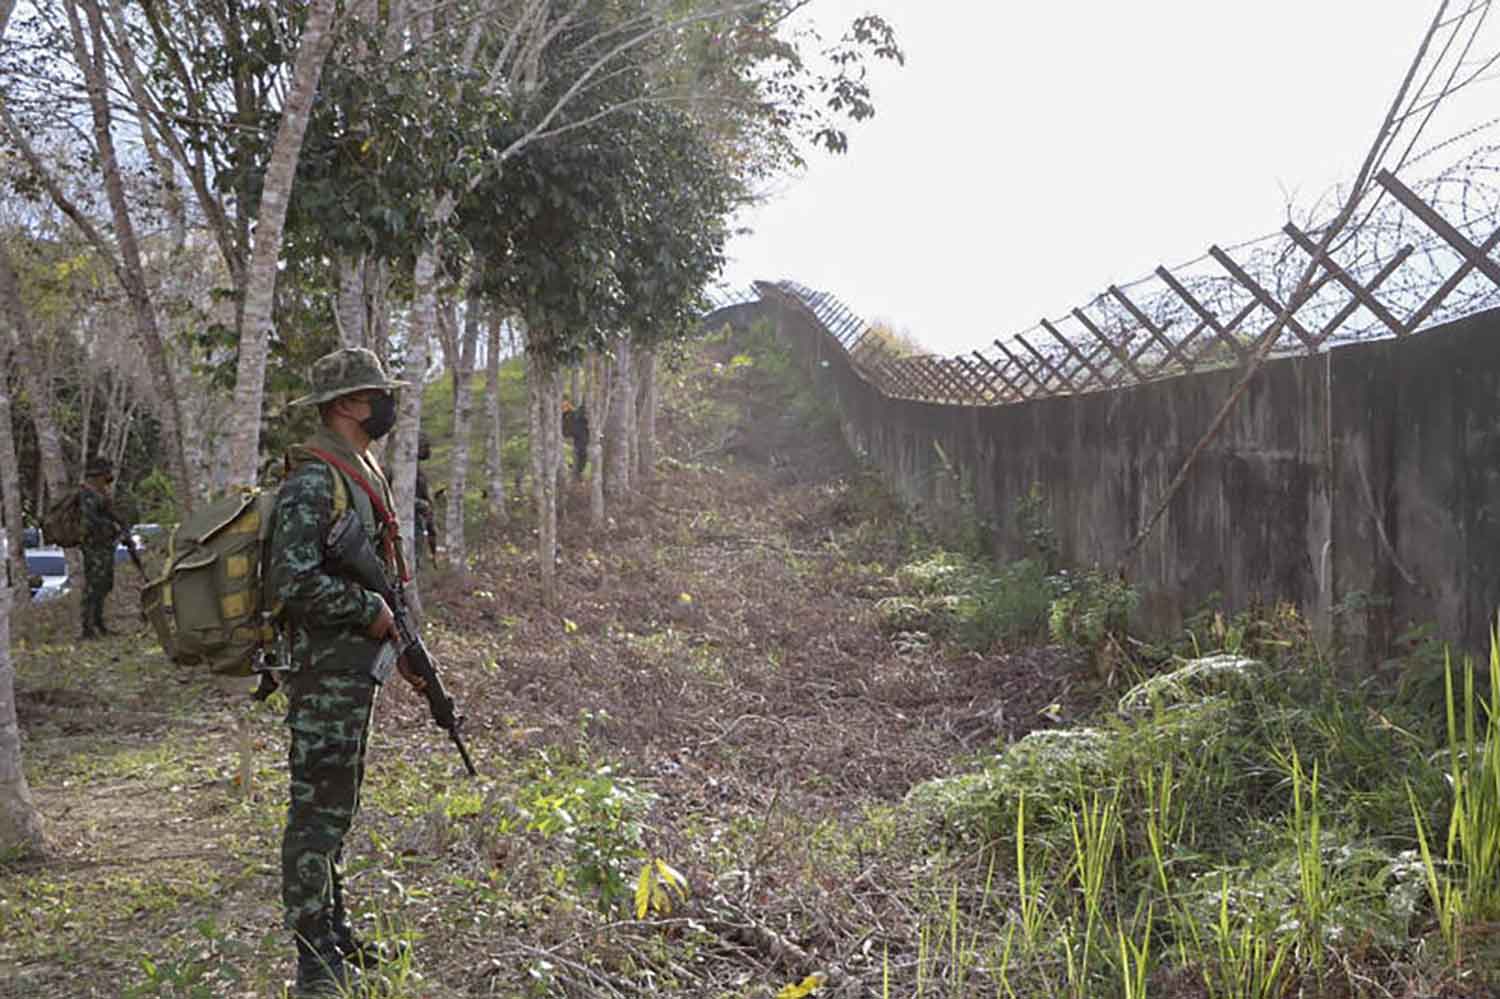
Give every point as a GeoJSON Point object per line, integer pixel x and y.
{"type": "Point", "coordinates": [1091, 610]}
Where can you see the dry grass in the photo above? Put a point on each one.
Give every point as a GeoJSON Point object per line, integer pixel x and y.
{"type": "Point", "coordinates": [717, 651]}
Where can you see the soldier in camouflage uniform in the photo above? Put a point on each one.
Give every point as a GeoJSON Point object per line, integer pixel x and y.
{"type": "Point", "coordinates": [426, 516]}
{"type": "Point", "coordinates": [336, 630]}
{"type": "Point", "coordinates": [575, 427]}
{"type": "Point", "coordinates": [100, 531]}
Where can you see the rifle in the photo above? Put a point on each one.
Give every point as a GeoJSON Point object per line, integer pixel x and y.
{"type": "Point", "coordinates": [128, 540]}
{"type": "Point", "coordinates": [348, 552]}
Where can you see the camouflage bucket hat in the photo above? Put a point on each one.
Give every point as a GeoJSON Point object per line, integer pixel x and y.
{"type": "Point", "coordinates": [98, 466]}
{"type": "Point", "coordinates": [349, 369]}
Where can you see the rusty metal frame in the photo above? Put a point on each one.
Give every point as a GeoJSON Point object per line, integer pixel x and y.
{"type": "Point", "coordinates": [1121, 354]}
{"type": "Point", "coordinates": [1025, 370]}
{"type": "Point", "coordinates": [1241, 352]}
{"type": "Point", "coordinates": [1474, 257]}
{"type": "Point", "coordinates": [1056, 334]}
{"type": "Point", "coordinates": [1362, 295]}
{"type": "Point", "coordinates": [1057, 373]}
{"type": "Point", "coordinates": [999, 372]}
{"type": "Point", "coordinates": [1288, 316]}
{"type": "Point", "coordinates": [1172, 352]}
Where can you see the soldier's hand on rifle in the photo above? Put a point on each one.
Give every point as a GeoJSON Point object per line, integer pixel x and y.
{"type": "Point", "coordinates": [384, 625]}
{"type": "Point", "coordinates": [412, 677]}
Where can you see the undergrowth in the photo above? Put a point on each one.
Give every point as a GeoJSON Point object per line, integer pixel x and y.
{"type": "Point", "coordinates": [1253, 827]}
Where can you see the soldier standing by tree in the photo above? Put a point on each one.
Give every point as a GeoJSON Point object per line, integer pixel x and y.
{"type": "Point", "coordinates": [100, 530]}
{"type": "Point", "coordinates": [575, 427]}
{"type": "Point", "coordinates": [336, 632]}
{"type": "Point", "coordinates": [426, 518]}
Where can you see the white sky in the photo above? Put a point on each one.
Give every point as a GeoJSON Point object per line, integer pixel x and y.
{"type": "Point", "coordinates": [1028, 155]}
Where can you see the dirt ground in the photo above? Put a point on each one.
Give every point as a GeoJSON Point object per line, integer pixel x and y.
{"type": "Point", "coordinates": [715, 646]}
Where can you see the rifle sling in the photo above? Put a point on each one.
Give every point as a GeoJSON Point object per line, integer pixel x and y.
{"type": "Point", "coordinates": [392, 535]}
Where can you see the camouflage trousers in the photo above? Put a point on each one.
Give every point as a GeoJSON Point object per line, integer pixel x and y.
{"type": "Point", "coordinates": [329, 718]}
{"type": "Point", "coordinates": [98, 580]}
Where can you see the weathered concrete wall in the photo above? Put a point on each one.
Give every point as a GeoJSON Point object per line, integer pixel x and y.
{"type": "Point", "coordinates": [1372, 469]}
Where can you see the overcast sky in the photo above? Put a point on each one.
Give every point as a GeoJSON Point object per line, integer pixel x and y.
{"type": "Point", "coordinates": [1028, 155]}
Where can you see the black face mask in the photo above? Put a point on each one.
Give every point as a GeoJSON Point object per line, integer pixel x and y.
{"type": "Point", "coordinates": [382, 417]}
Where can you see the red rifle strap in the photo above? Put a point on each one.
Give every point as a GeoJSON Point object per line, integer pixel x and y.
{"type": "Point", "coordinates": [393, 527]}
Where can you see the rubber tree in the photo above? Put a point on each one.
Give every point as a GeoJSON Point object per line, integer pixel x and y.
{"type": "Point", "coordinates": [671, 246]}
{"type": "Point", "coordinates": [599, 407]}
{"type": "Point", "coordinates": [10, 474]}
{"type": "Point", "coordinates": [461, 347]}
{"type": "Point", "coordinates": [495, 426]}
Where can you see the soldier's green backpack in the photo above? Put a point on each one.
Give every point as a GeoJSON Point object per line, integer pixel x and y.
{"type": "Point", "coordinates": [63, 524]}
{"type": "Point", "coordinates": [209, 607]}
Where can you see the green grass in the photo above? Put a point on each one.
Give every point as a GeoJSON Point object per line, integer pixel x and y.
{"type": "Point", "coordinates": [1243, 828]}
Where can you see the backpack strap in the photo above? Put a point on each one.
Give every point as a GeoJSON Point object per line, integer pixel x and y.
{"type": "Point", "coordinates": [392, 536]}
{"type": "Point", "coordinates": [340, 490]}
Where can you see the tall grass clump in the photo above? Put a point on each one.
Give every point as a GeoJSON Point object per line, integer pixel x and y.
{"type": "Point", "coordinates": [1464, 881]}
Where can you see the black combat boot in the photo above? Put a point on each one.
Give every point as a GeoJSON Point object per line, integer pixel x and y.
{"type": "Point", "coordinates": [322, 973]}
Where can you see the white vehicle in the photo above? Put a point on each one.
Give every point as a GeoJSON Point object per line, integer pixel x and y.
{"type": "Point", "coordinates": [50, 565]}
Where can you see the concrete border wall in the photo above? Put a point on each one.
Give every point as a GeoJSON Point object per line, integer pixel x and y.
{"type": "Point", "coordinates": [1372, 470]}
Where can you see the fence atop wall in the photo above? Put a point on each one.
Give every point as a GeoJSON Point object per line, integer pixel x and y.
{"type": "Point", "coordinates": [1418, 256]}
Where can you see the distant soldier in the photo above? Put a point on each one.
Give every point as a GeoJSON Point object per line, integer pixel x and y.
{"type": "Point", "coordinates": [100, 531]}
{"type": "Point", "coordinates": [575, 426]}
{"type": "Point", "coordinates": [426, 513]}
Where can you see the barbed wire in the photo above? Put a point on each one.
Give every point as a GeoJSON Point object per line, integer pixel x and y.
{"type": "Point", "coordinates": [1204, 314]}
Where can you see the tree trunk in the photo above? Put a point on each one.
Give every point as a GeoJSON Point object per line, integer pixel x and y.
{"type": "Point", "coordinates": [129, 267]}
{"type": "Point", "coordinates": [20, 826]}
{"type": "Point", "coordinates": [496, 434]}
{"type": "Point", "coordinates": [88, 388]}
{"type": "Point", "coordinates": [599, 381]}
{"type": "Point", "coordinates": [38, 377]}
{"type": "Point", "coordinates": [10, 476]}
{"type": "Point", "coordinates": [632, 423]}
{"type": "Point", "coordinates": [377, 313]}
{"type": "Point", "coordinates": [646, 416]}
{"type": "Point", "coordinates": [403, 470]}
{"type": "Point", "coordinates": [462, 367]}
{"type": "Point", "coordinates": [260, 289]}
{"type": "Point", "coordinates": [543, 394]}
{"type": "Point", "coordinates": [349, 306]}
{"type": "Point", "coordinates": [617, 439]}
